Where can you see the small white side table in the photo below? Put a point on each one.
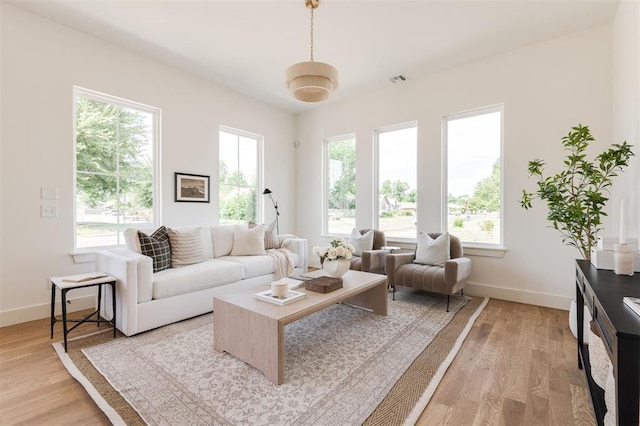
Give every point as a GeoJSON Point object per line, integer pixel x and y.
{"type": "Point", "coordinates": [66, 286]}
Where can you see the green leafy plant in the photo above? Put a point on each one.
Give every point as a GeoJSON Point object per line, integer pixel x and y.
{"type": "Point", "coordinates": [487, 226]}
{"type": "Point", "coordinates": [575, 196]}
{"type": "Point", "coordinates": [458, 222]}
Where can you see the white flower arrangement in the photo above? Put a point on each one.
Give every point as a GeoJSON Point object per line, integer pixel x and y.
{"type": "Point", "coordinates": [338, 249]}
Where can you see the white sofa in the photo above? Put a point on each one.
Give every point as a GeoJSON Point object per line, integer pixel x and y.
{"type": "Point", "coordinates": [147, 300]}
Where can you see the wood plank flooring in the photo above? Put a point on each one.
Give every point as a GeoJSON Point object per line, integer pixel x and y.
{"type": "Point", "coordinates": [517, 367]}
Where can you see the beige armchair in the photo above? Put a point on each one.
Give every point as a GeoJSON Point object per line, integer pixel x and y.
{"type": "Point", "coordinates": [449, 279]}
{"type": "Point", "coordinates": [372, 260]}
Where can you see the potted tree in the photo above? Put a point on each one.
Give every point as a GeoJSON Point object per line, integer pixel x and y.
{"type": "Point", "coordinates": [575, 196]}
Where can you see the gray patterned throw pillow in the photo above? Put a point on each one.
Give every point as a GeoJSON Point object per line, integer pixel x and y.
{"type": "Point", "coordinates": [157, 247]}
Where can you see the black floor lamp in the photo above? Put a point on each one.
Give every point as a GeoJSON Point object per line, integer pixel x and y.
{"type": "Point", "coordinates": [267, 191]}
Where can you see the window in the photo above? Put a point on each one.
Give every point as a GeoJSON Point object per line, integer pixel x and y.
{"type": "Point", "coordinates": [396, 184]}
{"type": "Point", "coordinates": [473, 146]}
{"type": "Point", "coordinates": [340, 184]}
{"type": "Point", "coordinates": [115, 180]}
{"type": "Point", "coordinates": [240, 176]}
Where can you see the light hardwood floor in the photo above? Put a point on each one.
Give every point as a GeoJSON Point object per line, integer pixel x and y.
{"type": "Point", "coordinates": [517, 366]}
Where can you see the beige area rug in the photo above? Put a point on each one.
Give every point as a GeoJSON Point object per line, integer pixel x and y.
{"type": "Point", "coordinates": [344, 366]}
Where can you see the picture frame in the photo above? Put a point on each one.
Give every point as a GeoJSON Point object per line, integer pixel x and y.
{"type": "Point", "coordinates": [190, 188]}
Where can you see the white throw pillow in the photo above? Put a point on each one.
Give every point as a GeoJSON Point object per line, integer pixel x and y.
{"type": "Point", "coordinates": [433, 252]}
{"type": "Point", "coordinates": [248, 242]}
{"type": "Point", "coordinates": [361, 242]}
{"type": "Point", "coordinates": [186, 247]}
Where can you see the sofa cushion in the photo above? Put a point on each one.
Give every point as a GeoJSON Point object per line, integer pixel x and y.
{"type": "Point", "coordinates": [271, 240]}
{"type": "Point", "coordinates": [254, 266]}
{"type": "Point", "coordinates": [186, 247]}
{"type": "Point", "coordinates": [432, 252]}
{"type": "Point", "coordinates": [248, 242]}
{"type": "Point", "coordinates": [199, 276]}
{"type": "Point", "coordinates": [360, 242]}
{"type": "Point", "coordinates": [222, 237]}
{"type": "Point", "coordinates": [156, 246]}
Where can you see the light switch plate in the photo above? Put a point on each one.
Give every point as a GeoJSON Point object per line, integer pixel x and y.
{"type": "Point", "coordinates": [48, 210]}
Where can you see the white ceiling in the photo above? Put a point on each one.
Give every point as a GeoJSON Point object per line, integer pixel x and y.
{"type": "Point", "coordinates": [246, 45]}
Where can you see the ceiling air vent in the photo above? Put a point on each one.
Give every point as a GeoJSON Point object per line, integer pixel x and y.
{"type": "Point", "coordinates": [398, 79]}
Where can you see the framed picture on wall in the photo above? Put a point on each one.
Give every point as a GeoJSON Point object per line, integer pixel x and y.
{"type": "Point", "coordinates": [192, 188]}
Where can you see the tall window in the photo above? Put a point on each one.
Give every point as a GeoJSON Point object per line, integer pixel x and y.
{"type": "Point", "coordinates": [240, 176]}
{"type": "Point", "coordinates": [116, 141]}
{"type": "Point", "coordinates": [340, 184]}
{"type": "Point", "coordinates": [473, 146]}
{"type": "Point", "coordinates": [397, 187]}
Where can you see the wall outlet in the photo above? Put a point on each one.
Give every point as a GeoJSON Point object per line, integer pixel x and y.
{"type": "Point", "coordinates": [48, 211]}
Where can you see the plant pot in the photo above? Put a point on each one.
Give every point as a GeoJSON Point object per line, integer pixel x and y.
{"type": "Point", "coordinates": [336, 268]}
{"type": "Point", "coordinates": [573, 321]}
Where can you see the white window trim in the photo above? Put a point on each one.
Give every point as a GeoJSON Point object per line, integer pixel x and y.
{"type": "Point", "coordinates": [376, 177]}
{"type": "Point", "coordinates": [260, 210]}
{"type": "Point", "coordinates": [480, 249]}
{"type": "Point", "coordinates": [325, 181]}
{"type": "Point", "coordinates": [156, 113]}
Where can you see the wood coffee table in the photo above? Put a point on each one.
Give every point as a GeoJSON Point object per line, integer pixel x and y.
{"type": "Point", "coordinates": [253, 330]}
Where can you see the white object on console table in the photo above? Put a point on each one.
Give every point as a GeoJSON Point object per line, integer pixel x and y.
{"type": "Point", "coordinates": [606, 243]}
{"type": "Point", "coordinates": [604, 259]}
{"type": "Point", "coordinates": [623, 260]}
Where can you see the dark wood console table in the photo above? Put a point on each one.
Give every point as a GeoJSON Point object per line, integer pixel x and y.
{"type": "Point", "coordinates": [602, 292]}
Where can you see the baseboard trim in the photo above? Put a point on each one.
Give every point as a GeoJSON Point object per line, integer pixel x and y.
{"type": "Point", "coordinates": [521, 296]}
{"type": "Point", "coordinates": [36, 312]}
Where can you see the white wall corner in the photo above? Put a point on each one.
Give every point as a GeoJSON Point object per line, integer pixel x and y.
{"type": "Point", "coordinates": [36, 312]}
{"type": "Point", "coordinates": [520, 296]}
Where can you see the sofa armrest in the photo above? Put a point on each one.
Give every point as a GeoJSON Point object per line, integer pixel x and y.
{"type": "Point", "coordinates": [134, 272]}
{"type": "Point", "coordinates": [457, 270]}
{"type": "Point", "coordinates": [394, 261]}
{"type": "Point", "coordinates": [298, 246]}
{"type": "Point", "coordinates": [374, 261]}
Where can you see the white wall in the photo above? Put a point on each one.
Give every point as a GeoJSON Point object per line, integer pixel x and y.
{"type": "Point", "coordinates": [546, 88]}
{"type": "Point", "coordinates": [41, 62]}
{"type": "Point", "coordinates": [626, 116]}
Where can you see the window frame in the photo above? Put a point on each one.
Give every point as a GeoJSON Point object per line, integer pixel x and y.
{"type": "Point", "coordinates": [156, 113]}
{"type": "Point", "coordinates": [445, 172]}
{"type": "Point", "coordinates": [260, 213]}
{"type": "Point", "coordinates": [325, 180]}
{"type": "Point", "coordinates": [376, 177]}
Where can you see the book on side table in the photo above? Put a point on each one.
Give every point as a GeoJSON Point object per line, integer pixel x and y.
{"type": "Point", "coordinates": [84, 277]}
{"type": "Point", "coordinates": [633, 303]}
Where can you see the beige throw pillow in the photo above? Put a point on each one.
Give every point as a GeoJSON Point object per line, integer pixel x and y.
{"type": "Point", "coordinates": [361, 242]}
{"type": "Point", "coordinates": [271, 240]}
{"type": "Point", "coordinates": [248, 242]}
{"type": "Point", "coordinates": [433, 252]}
{"type": "Point", "coordinates": [186, 247]}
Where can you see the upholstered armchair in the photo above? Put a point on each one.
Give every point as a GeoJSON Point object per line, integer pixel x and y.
{"type": "Point", "coordinates": [447, 279]}
{"type": "Point", "coordinates": [371, 260]}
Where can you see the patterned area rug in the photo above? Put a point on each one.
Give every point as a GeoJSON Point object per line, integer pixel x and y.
{"type": "Point", "coordinates": [343, 366]}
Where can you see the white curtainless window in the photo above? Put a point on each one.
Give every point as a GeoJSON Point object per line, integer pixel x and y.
{"type": "Point", "coordinates": [473, 184]}
{"type": "Point", "coordinates": [116, 176]}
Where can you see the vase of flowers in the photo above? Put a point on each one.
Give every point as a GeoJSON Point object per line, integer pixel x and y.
{"type": "Point", "coordinates": [335, 257]}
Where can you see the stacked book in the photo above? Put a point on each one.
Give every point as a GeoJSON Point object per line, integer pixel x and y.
{"type": "Point", "coordinates": [633, 303]}
{"type": "Point", "coordinates": [602, 254]}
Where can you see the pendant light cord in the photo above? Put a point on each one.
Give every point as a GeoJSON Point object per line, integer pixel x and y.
{"type": "Point", "coordinates": [311, 33]}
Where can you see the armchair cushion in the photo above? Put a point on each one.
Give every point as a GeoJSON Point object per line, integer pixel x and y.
{"type": "Point", "coordinates": [361, 242]}
{"type": "Point", "coordinates": [430, 251]}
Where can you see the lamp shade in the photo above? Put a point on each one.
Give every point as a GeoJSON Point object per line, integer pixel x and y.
{"type": "Point", "coordinates": [312, 81]}
{"type": "Point", "coordinates": [266, 191]}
